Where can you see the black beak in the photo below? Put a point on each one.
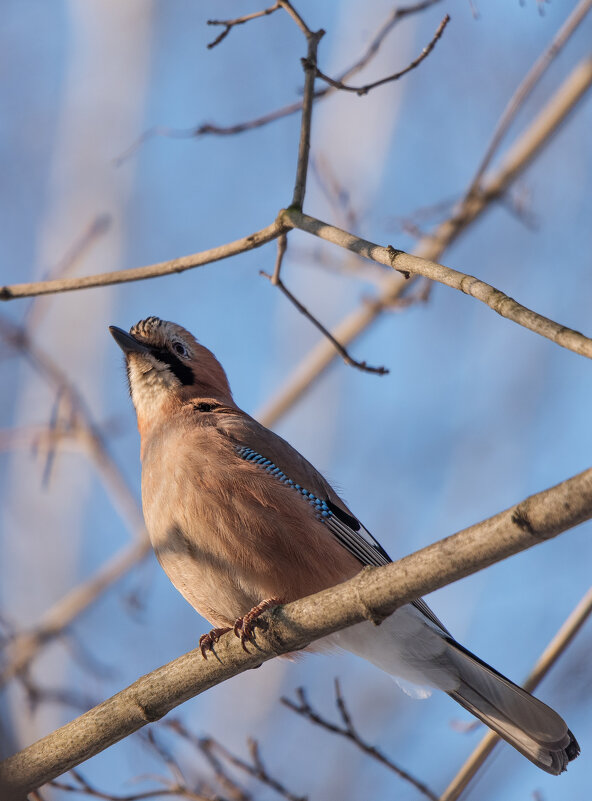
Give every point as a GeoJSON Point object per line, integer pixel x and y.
{"type": "Point", "coordinates": [126, 341]}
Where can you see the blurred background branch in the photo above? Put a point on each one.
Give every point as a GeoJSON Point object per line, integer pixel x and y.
{"type": "Point", "coordinates": [359, 178]}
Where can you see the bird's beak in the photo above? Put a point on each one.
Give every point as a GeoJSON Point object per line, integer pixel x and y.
{"type": "Point", "coordinates": [126, 341]}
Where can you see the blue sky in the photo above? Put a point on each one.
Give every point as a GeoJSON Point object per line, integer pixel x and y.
{"type": "Point", "coordinates": [475, 414]}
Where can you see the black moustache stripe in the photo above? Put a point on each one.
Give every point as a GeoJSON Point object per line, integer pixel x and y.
{"type": "Point", "coordinates": [182, 371]}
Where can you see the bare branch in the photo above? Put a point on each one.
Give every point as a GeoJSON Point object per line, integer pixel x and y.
{"type": "Point", "coordinates": [310, 65]}
{"type": "Point", "coordinates": [21, 650]}
{"type": "Point", "coordinates": [302, 707]}
{"type": "Point", "coordinates": [277, 281]}
{"type": "Point", "coordinates": [373, 594]}
{"type": "Point", "coordinates": [96, 229]}
{"type": "Point", "coordinates": [520, 155]}
{"type": "Point", "coordinates": [82, 428]}
{"type": "Point", "coordinates": [433, 245]}
{"type": "Point", "coordinates": [255, 768]}
{"type": "Point", "coordinates": [363, 90]}
{"type": "Point", "coordinates": [84, 787]}
{"type": "Point", "coordinates": [254, 240]}
{"type": "Point", "coordinates": [285, 111]}
{"type": "Point", "coordinates": [548, 658]}
{"type": "Point", "coordinates": [229, 24]}
{"type": "Point", "coordinates": [529, 82]}
{"type": "Point", "coordinates": [407, 264]}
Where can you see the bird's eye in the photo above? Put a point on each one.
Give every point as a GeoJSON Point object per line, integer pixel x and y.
{"type": "Point", "coordinates": [180, 348]}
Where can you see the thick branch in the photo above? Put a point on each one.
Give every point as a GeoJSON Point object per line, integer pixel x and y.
{"type": "Point", "coordinates": [372, 594]}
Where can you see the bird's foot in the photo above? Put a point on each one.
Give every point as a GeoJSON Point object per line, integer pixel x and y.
{"type": "Point", "coordinates": [243, 627]}
{"type": "Point", "coordinates": [207, 641]}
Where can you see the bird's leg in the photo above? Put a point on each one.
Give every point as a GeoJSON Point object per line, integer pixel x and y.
{"type": "Point", "coordinates": [243, 627]}
{"type": "Point", "coordinates": [207, 641]}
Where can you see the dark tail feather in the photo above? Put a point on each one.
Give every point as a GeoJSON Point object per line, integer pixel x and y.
{"type": "Point", "coordinates": [526, 723]}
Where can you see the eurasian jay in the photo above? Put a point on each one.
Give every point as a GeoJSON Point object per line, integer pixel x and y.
{"type": "Point", "coordinates": [240, 520]}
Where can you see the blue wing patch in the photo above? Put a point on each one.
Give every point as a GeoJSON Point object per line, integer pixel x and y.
{"type": "Point", "coordinates": [346, 528]}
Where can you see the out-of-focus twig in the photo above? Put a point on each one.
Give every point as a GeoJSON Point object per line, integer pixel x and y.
{"type": "Point", "coordinates": [81, 421]}
{"type": "Point", "coordinates": [347, 729]}
{"type": "Point", "coordinates": [527, 85]}
{"type": "Point", "coordinates": [548, 658]}
{"type": "Point", "coordinates": [82, 786]}
{"type": "Point", "coordinates": [96, 229]}
{"type": "Point", "coordinates": [24, 646]}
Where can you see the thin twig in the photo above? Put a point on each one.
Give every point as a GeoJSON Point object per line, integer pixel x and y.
{"type": "Point", "coordinates": [229, 24]}
{"type": "Point", "coordinates": [96, 229]}
{"type": "Point", "coordinates": [407, 264]}
{"type": "Point", "coordinates": [527, 85]}
{"type": "Point", "coordinates": [363, 90]}
{"type": "Point", "coordinates": [285, 111]}
{"type": "Point", "coordinates": [291, 11]}
{"type": "Point", "coordinates": [309, 65]}
{"type": "Point", "coordinates": [84, 787]}
{"type": "Point", "coordinates": [433, 245]}
{"type": "Point", "coordinates": [277, 281]}
{"type": "Point", "coordinates": [179, 265]}
{"type": "Point", "coordinates": [204, 746]}
{"type": "Point", "coordinates": [255, 768]}
{"type": "Point", "coordinates": [25, 645]}
{"type": "Point", "coordinates": [347, 730]}
{"type": "Point", "coordinates": [545, 662]}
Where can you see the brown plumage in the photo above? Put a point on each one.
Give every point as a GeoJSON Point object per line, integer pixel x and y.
{"type": "Point", "coordinates": [237, 516]}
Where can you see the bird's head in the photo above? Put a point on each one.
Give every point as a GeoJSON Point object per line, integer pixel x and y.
{"type": "Point", "coordinates": [167, 367]}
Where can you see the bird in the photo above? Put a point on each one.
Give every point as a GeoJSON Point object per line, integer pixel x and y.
{"type": "Point", "coordinates": [241, 521]}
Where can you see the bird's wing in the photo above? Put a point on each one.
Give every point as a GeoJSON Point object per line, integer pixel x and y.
{"type": "Point", "coordinates": [257, 444]}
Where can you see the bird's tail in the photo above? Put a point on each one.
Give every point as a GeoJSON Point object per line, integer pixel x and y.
{"type": "Point", "coordinates": [533, 728]}
{"type": "Point", "coordinates": [411, 646]}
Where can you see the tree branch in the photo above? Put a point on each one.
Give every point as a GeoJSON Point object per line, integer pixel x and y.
{"type": "Point", "coordinates": [347, 729]}
{"type": "Point", "coordinates": [363, 90]}
{"type": "Point", "coordinates": [527, 85]}
{"type": "Point", "coordinates": [408, 264]}
{"type": "Point", "coordinates": [309, 65]}
{"type": "Point", "coordinates": [276, 280]}
{"type": "Point", "coordinates": [285, 111]}
{"type": "Point", "coordinates": [433, 244]}
{"type": "Point", "coordinates": [373, 594]}
{"type": "Point", "coordinates": [250, 242]}
{"type": "Point", "coordinates": [229, 24]}
{"type": "Point", "coordinates": [25, 645]}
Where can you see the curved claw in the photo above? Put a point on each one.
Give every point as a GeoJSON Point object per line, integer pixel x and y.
{"type": "Point", "coordinates": [243, 627]}
{"type": "Point", "coordinates": [207, 641]}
